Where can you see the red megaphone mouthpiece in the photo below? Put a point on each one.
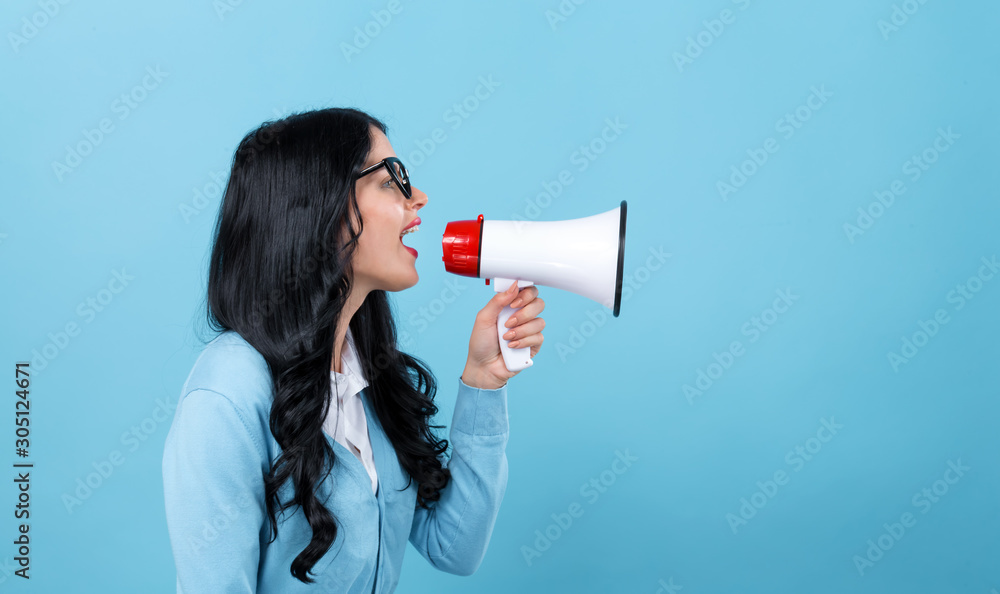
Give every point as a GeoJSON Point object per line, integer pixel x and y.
{"type": "Point", "coordinates": [462, 246]}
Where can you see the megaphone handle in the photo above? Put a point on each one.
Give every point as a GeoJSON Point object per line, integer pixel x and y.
{"type": "Point", "coordinates": [519, 358]}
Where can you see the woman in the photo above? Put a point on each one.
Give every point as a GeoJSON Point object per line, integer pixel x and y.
{"type": "Point", "coordinates": [301, 457]}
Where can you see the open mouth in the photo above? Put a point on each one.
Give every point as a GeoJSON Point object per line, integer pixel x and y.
{"type": "Point", "coordinates": [412, 229]}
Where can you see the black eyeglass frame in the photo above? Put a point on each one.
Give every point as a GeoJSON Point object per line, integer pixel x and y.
{"type": "Point", "coordinates": [402, 184]}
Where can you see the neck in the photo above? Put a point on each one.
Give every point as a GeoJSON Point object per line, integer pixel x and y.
{"type": "Point", "coordinates": [351, 307]}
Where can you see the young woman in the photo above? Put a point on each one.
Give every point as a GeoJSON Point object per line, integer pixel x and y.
{"type": "Point", "coordinates": [301, 458]}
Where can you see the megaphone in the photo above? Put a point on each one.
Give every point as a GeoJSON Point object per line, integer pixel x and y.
{"type": "Point", "coordinates": [585, 256]}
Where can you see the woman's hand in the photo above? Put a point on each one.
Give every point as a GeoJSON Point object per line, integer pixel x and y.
{"type": "Point", "coordinates": [485, 367]}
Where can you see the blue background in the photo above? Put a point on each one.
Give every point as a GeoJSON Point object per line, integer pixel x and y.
{"type": "Point", "coordinates": [668, 519]}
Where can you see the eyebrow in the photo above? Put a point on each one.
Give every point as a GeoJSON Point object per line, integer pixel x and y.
{"type": "Point", "coordinates": [367, 165]}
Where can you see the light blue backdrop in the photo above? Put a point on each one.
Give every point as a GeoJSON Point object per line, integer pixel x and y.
{"type": "Point", "coordinates": [788, 374]}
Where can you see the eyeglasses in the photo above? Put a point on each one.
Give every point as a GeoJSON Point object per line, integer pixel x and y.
{"type": "Point", "coordinates": [396, 171]}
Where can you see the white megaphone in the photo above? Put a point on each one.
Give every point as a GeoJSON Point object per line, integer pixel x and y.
{"type": "Point", "coordinates": [585, 256]}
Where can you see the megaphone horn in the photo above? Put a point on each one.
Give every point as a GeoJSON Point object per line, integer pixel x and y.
{"type": "Point", "coordinates": [585, 256]}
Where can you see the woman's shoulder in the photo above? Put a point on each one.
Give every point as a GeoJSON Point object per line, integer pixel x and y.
{"type": "Point", "coordinates": [231, 367]}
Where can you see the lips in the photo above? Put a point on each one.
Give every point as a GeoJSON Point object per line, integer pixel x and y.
{"type": "Point", "coordinates": [413, 223]}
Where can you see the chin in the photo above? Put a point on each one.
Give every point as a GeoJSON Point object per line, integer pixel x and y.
{"type": "Point", "coordinates": [405, 284]}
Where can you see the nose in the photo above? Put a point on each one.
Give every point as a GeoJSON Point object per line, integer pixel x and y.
{"type": "Point", "coordinates": [418, 199]}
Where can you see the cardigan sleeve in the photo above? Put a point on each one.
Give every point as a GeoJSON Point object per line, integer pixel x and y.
{"type": "Point", "coordinates": [214, 495]}
{"type": "Point", "coordinates": [454, 533]}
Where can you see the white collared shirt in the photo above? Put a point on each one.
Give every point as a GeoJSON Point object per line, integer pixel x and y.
{"type": "Point", "coordinates": [346, 421]}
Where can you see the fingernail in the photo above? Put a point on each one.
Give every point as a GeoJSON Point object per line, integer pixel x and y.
{"type": "Point", "coordinates": [516, 302]}
{"type": "Point", "coordinates": [509, 335]}
{"type": "Point", "coordinates": [510, 322]}
{"type": "Point", "coordinates": [513, 344]}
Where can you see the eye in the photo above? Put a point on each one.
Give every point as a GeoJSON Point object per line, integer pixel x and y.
{"type": "Point", "coordinates": [387, 182]}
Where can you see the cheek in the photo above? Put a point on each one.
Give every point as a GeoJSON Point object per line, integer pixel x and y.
{"type": "Point", "coordinates": [375, 245]}
{"type": "Point", "coordinates": [382, 224]}
{"type": "Point", "coordinates": [384, 227]}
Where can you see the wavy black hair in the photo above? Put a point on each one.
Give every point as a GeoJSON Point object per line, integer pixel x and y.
{"type": "Point", "coordinates": [280, 274]}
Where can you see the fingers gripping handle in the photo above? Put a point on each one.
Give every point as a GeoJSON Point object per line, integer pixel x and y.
{"type": "Point", "coordinates": [515, 359]}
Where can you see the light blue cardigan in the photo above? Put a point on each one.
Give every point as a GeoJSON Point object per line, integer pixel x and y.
{"type": "Point", "coordinates": [220, 445]}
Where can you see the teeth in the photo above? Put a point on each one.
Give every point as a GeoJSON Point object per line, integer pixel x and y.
{"type": "Point", "coordinates": [412, 229]}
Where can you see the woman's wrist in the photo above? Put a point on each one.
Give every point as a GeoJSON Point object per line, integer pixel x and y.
{"type": "Point", "coordinates": [482, 379]}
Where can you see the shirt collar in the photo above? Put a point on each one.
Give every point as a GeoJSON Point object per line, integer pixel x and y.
{"type": "Point", "coordinates": [352, 380]}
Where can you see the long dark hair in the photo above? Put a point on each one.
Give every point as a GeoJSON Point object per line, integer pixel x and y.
{"type": "Point", "coordinates": [280, 275]}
